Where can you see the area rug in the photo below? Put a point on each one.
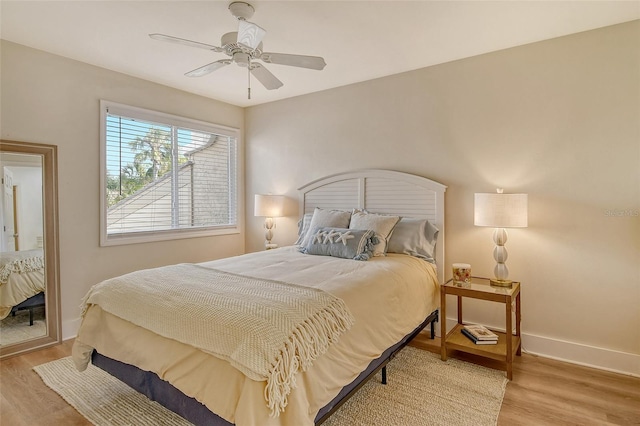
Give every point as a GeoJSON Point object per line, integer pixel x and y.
{"type": "Point", "coordinates": [421, 390]}
{"type": "Point", "coordinates": [16, 329]}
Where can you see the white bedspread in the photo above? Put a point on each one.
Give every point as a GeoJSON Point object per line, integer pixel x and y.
{"type": "Point", "coordinates": [388, 297]}
{"type": "Point", "coordinates": [21, 276]}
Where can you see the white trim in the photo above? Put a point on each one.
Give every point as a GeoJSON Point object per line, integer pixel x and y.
{"type": "Point", "coordinates": [585, 355]}
{"type": "Point", "coordinates": [434, 197]}
{"type": "Point", "coordinates": [153, 116]}
{"type": "Point", "coordinates": [574, 353]}
{"type": "Point", "coordinates": [174, 234]}
{"type": "Point", "coordinates": [70, 328]}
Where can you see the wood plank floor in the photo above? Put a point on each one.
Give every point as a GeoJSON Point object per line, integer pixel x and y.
{"type": "Point", "coordinates": [549, 392]}
{"type": "Point", "coordinates": [543, 392]}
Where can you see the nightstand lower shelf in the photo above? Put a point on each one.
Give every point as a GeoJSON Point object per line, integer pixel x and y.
{"type": "Point", "coordinates": [458, 341]}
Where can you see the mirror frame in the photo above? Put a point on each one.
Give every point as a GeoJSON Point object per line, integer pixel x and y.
{"type": "Point", "coordinates": [49, 155]}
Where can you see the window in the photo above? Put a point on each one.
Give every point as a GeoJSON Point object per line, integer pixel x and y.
{"type": "Point", "coordinates": [165, 177]}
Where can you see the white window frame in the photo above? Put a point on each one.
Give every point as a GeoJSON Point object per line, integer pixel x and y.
{"type": "Point", "coordinates": [173, 234]}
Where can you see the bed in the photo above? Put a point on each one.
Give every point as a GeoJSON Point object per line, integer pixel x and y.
{"type": "Point", "coordinates": [387, 300]}
{"type": "Point", "coordinates": [22, 282]}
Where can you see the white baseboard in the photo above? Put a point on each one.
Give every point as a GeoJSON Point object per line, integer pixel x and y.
{"type": "Point", "coordinates": [70, 328]}
{"type": "Point", "coordinates": [576, 353]}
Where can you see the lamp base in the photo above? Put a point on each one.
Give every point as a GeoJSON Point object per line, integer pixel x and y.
{"type": "Point", "coordinates": [500, 283]}
{"type": "Point", "coordinates": [270, 246]}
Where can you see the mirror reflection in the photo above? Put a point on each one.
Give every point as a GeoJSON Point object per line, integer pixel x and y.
{"type": "Point", "coordinates": [22, 274]}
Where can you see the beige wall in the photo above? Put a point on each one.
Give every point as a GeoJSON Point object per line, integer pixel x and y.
{"type": "Point", "coordinates": [559, 120]}
{"type": "Point", "coordinates": [53, 100]}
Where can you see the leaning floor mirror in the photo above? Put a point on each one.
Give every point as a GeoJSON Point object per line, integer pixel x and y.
{"type": "Point", "coordinates": [29, 263]}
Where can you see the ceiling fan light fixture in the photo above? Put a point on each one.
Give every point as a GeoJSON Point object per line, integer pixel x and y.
{"type": "Point", "coordinates": [241, 58]}
{"type": "Point", "coordinates": [250, 34]}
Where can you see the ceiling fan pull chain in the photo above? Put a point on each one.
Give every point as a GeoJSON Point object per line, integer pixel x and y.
{"type": "Point", "coordinates": [249, 80]}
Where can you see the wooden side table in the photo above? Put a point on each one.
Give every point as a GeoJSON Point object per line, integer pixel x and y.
{"type": "Point", "coordinates": [508, 345]}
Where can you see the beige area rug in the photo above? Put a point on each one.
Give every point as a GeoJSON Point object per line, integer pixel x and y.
{"type": "Point", "coordinates": [421, 390]}
{"type": "Point", "coordinates": [16, 329]}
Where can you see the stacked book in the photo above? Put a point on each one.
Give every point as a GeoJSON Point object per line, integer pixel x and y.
{"type": "Point", "coordinates": [480, 335]}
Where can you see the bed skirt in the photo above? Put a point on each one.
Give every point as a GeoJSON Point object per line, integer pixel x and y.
{"type": "Point", "coordinates": [156, 389]}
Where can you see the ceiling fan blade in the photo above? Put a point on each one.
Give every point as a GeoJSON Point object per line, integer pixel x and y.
{"type": "Point", "coordinates": [302, 61]}
{"type": "Point", "coordinates": [209, 68]}
{"type": "Point", "coordinates": [185, 42]}
{"type": "Point", "coordinates": [265, 77]}
{"type": "Point", "coordinates": [250, 34]}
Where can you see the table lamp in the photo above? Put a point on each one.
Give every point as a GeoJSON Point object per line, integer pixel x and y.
{"type": "Point", "coordinates": [269, 207]}
{"type": "Point", "coordinates": [500, 211]}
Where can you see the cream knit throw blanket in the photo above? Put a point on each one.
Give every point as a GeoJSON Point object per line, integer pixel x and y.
{"type": "Point", "coordinates": [269, 330]}
{"type": "Point", "coordinates": [28, 264]}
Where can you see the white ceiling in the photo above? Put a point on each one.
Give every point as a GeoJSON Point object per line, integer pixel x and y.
{"type": "Point", "coordinates": [360, 40]}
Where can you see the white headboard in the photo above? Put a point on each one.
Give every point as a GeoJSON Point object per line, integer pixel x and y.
{"type": "Point", "coordinates": [381, 191]}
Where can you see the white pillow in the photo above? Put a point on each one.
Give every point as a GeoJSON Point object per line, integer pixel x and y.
{"type": "Point", "coordinates": [325, 219]}
{"type": "Point", "coordinates": [303, 227]}
{"type": "Point", "coordinates": [382, 225]}
{"type": "Point", "coordinates": [415, 237]}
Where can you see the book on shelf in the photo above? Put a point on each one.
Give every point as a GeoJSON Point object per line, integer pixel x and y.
{"type": "Point", "coordinates": [480, 332]}
{"type": "Point", "coordinates": [476, 341]}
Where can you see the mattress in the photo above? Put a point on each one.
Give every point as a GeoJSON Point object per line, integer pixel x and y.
{"type": "Point", "coordinates": [388, 297]}
{"type": "Point", "coordinates": [23, 279]}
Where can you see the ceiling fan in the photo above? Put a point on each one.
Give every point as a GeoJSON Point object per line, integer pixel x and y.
{"type": "Point", "coordinates": [244, 47]}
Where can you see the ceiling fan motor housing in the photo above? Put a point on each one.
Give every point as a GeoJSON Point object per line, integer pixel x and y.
{"type": "Point", "coordinates": [229, 39]}
{"type": "Point", "coordinates": [231, 47]}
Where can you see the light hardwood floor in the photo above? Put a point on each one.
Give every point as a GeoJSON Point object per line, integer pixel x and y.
{"type": "Point", "coordinates": [549, 392]}
{"type": "Point", "coordinates": [543, 392]}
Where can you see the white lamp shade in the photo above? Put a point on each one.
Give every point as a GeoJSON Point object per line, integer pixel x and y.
{"type": "Point", "coordinates": [500, 210]}
{"type": "Point", "coordinates": [268, 205]}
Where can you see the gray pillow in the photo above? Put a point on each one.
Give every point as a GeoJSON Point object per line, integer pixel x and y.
{"type": "Point", "coordinates": [415, 237]}
{"type": "Point", "coordinates": [346, 243]}
{"type": "Point", "coordinates": [326, 218]}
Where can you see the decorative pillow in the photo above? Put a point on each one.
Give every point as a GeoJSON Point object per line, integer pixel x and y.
{"type": "Point", "coordinates": [326, 218]}
{"type": "Point", "coordinates": [346, 243]}
{"type": "Point", "coordinates": [303, 227]}
{"type": "Point", "coordinates": [415, 237]}
{"type": "Point", "coordinates": [382, 225]}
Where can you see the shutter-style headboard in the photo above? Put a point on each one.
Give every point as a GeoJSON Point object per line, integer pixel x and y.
{"type": "Point", "coordinates": [381, 191]}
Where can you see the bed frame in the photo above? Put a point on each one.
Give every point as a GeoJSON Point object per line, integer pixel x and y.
{"type": "Point", "coordinates": [378, 191]}
{"type": "Point", "coordinates": [30, 304]}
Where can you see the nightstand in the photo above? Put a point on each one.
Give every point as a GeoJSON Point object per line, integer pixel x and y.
{"type": "Point", "coordinates": [508, 345]}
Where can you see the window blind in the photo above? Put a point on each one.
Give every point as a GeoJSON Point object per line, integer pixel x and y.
{"type": "Point", "coordinates": [165, 175]}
